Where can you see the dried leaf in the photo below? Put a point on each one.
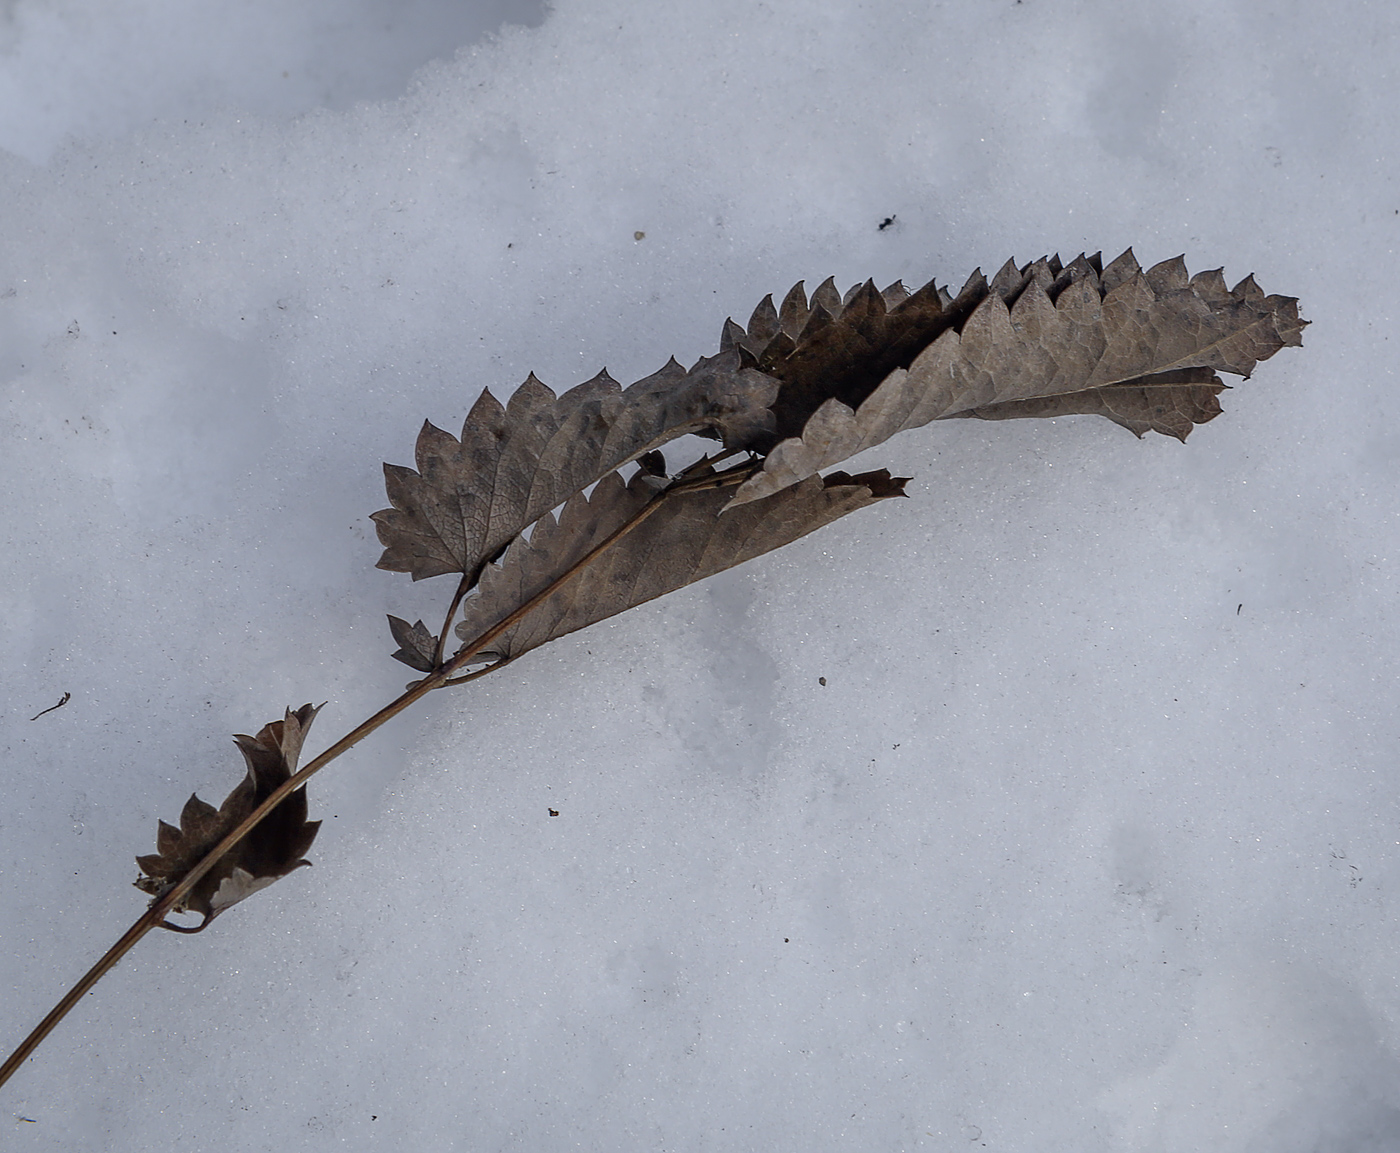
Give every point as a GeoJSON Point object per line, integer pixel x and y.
{"type": "Point", "coordinates": [272, 850]}
{"type": "Point", "coordinates": [830, 348]}
{"type": "Point", "coordinates": [1172, 404]}
{"type": "Point", "coordinates": [1139, 347]}
{"type": "Point", "coordinates": [514, 462]}
{"type": "Point", "coordinates": [417, 646]}
{"type": "Point", "coordinates": [684, 540]}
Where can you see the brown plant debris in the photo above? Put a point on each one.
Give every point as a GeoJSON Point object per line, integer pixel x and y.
{"type": "Point", "coordinates": [685, 540]}
{"type": "Point", "coordinates": [417, 646]}
{"type": "Point", "coordinates": [528, 505]}
{"type": "Point", "coordinates": [273, 849]}
{"type": "Point", "coordinates": [470, 497]}
{"type": "Point", "coordinates": [1141, 348]}
{"type": "Point", "coordinates": [804, 386]}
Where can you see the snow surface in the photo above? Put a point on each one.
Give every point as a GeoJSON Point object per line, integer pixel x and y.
{"type": "Point", "coordinates": [1091, 839]}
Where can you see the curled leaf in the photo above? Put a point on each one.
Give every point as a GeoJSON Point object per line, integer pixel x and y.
{"type": "Point", "coordinates": [273, 849]}
{"type": "Point", "coordinates": [683, 540]}
{"type": "Point", "coordinates": [1139, 347]}
{"type": "Point", "coordinates": [840, 348]}
{"type": "Point", "coordinates": [1170, 403]}
{"type": "Point", "coordinates": [470, 497]}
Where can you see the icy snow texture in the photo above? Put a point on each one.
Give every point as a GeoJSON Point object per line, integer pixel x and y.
{"type": "Point", "coordinates": [1089, 840]}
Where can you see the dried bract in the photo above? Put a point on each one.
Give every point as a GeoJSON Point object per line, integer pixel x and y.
{"type": "Point", "coordinates": [274, 848]}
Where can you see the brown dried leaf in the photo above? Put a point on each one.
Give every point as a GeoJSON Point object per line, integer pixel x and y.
{"type": "Point", "coordinates": [684, 540]}
{"type": "Point", "coordinates": [417, 646]}
{"type": "Point", "coordinates": [273, 849]}
{"type": "Point", "coordinates": [514, 462]}
{"type": "Point", "coordinates": [1139, 347]}
{"type": "Point", "coordinates": [1171, 404]}
{"type": "Point", "coordinates": [830, 348]}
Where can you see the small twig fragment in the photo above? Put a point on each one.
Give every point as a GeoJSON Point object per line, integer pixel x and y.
{"type": "Point", "coordinates": [62, 701]}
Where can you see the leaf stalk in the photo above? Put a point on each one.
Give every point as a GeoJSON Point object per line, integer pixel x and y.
{"type": "Point", "coordinates": [443, 676]}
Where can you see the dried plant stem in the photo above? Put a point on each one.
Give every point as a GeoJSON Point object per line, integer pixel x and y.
{"type": "Point", "coordinates": [464, 586]}
{"type": "Point", "coordinates": [128, 940]}
{"type": "Point", "coordinates": [154, 916]}
{"type": "Point", "coordinates": [1043, 340]}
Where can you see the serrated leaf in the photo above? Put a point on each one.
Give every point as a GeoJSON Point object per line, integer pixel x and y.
{"type": "Point", "coordinates": [470, 497]}
{"type": "Point", "coordinates": [273, 849]}
{"type": "Point", "coordinates": [1139, 347]}
{"type": "Point", "coordinates": [683, 541]}
{"type": "Point", "coordinates": [417, 646]}
{"type": "Point", "coordinates": [833, 348]}
{"type": "Point", "coordinates": [1172, 404]}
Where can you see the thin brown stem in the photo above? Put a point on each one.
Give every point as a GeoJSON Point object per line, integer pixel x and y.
{"type": "Point", "coordinates": [464, 586]}
{"type": "Point", "coordinates": [442, 677]}
{"type": "Point", "coordinates": [144, 925]}
{"type": "Point", "coordinates": [462, 680]}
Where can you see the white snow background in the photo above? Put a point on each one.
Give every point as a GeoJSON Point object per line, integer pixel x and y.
{"type": "Point", "coordinates": [1089, 842]}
